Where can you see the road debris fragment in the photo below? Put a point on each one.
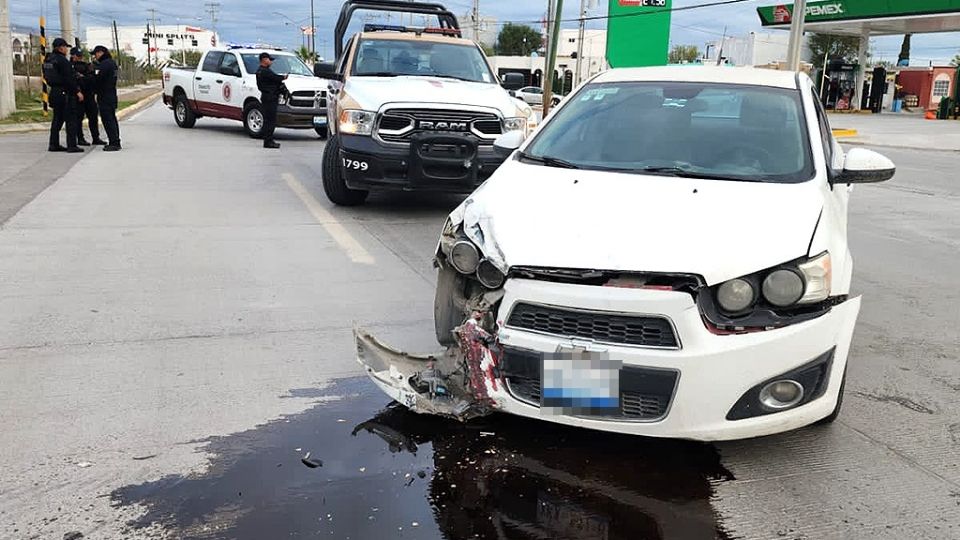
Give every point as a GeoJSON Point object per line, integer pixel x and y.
{"type": "Point", "coordinates": [312, 463]}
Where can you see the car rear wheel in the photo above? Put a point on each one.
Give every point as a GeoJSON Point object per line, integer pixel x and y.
{"type": "Point", "coordinates": [446, 315]}
{"type": "Point", "coordinates": [182, 112]}
{"type": "Point", "coordinates": [334, 184]}
{"type": "Point", "coordinates": [253, 120]}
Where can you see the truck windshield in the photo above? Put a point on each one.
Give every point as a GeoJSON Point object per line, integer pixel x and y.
{"type": "Point", "coordinates": [283, 64]}
{"type": "Point", "coordinates": [687, 129]}
{"type": "Point", "coordinates": [388, 58]}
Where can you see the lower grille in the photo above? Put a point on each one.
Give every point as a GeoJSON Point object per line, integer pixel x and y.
{"type": "Point", "coordinates": [638, 330]}
{"type": "Point", "coordinates": [633, 405]}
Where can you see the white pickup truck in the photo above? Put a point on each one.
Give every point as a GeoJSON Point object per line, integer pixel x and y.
{"type": "Point", "coordinates": [224, 85]}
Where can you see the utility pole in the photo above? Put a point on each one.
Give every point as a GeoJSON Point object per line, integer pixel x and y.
{"type": "Point", "coordinates": [475, 14]}
{"type": "Point", "coordinates": [552, 57]}
{"type": "Point", "coordinates": [78, 23]}
{"type": "Point", "coordinates": [313, 34]}
{"type": "Point", "coordinates": [153, 34]}
{"type": "Point", "coordinates": [583, 23]}
{"type": "Point", "coordinates": [66, 20]}
{"type": "Point", "coordinates": [8, 102]}
{"type": "Point", "coordinates": [795, 47]}
{"type": "Point", "coordinates": [212, 8]}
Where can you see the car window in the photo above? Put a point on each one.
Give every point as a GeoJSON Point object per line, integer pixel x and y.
{"type": "Point", "coordinates": [388, 57]}
{"type": "Point", "coordinates": [283, 64]}
{"type": "Point", "coordinates": [211, 62]}
{"type": "Point", "coordinates": [682, 128]}
{"type": "Point", "coordinates": [229, 65]}
{"type": "Point", "coordinates": [826, 134]}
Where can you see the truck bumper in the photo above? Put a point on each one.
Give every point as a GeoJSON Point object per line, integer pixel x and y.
{"type": "Point", "coordinates": [443, 163]}
{"type": "Point", "coordinates": [300, 118]}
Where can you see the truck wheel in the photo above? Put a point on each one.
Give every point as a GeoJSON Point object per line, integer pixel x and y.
{"type": "Point", "coordinates": [321, 131]}
{"type": "Point", "coordinates": [182, 112]}
{"type": "Point", "coordinates": [446, 315]}
{"type": "Point", "coordinates": [836, 410]}
{"type": "Point", "coordinates": [253, 120]}
{"type": "Point", "coordinates": [333, 183]}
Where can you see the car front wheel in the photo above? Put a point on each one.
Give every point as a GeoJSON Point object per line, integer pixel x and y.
{"type": "Point", "coordinates": [446, 315]}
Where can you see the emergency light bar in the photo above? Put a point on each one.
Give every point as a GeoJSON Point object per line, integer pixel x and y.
{"type": "Point", "coordinates": [414, 29]}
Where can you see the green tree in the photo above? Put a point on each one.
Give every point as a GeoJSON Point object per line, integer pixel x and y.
{"type": "Point", "coordinates": [305, 54]}
{"type": "Point", "coordinates": [844, 48]}
{"type": "Point", "coordinates": [956, 61]}
{"type": "Point", "coordinates": [518, 40]}
{"type": "Point", "coordinates": [684, 54]}
{"type": "Point", "coordinates": [186, 57]}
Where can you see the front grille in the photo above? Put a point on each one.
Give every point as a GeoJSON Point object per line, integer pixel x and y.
{"type": "Point", "coordinates": [308, 99]}
{"type": "Point", "coordinates": [477, 122]}
{"type": "Point", "coordinates": [637, 330]}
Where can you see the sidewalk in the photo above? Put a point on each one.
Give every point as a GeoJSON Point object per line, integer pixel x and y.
{"type": "Point", "coordinates": [898, 130]}
{"type": "Point", "coordinates": [143, 94]}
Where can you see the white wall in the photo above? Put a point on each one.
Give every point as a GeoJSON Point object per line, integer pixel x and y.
{"type": "Point", "coordinates": [131, 39]}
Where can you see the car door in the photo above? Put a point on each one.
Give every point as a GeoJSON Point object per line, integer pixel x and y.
{"type": "Point", "coordinates": [839, 195]}
{"type": "Point", "coordinates": [205, 84]}
{"type": "Point", "coordinates": [228, 95]}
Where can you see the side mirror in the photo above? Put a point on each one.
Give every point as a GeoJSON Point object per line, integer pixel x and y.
{"type": "Point", "coordinates": [864, 166]}
{"type": "Point", "coordinates": [327, 70]}
{"type": "Point", "coordinates": [513, 81]}
{"type": "Point", "coordinates": [505, 144]}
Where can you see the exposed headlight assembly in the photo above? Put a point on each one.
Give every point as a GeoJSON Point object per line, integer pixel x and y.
{"type": "Point", "coordinates": [357, 122]}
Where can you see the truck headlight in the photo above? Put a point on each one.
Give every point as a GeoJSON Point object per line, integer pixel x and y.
{"type": "Point", "coordinates": [514, 124]}
{"type": "Point", "coordinates": [356, 122]}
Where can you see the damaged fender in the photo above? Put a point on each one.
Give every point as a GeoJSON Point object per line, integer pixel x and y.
{"type": "Point", "coordinates": [462, 382]}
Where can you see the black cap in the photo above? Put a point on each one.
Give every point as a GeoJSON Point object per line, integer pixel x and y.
{"type": "Point", "coordinates": [265, 55]}
{"type": "Point", "coordinates": [100, 48]}
{"type": "Point", "coordinates": [76, 52]}
{"type": "Point", "coordinates": [60, 42]}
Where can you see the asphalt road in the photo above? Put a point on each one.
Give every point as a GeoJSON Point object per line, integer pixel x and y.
{"type": "Point", "coordinates": [175, 335]}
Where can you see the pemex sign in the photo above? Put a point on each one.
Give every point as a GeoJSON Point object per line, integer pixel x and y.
{"type": "Point", "coordinates": [846, 10]}
{"type": "Point", "coordinates": [638, 33]}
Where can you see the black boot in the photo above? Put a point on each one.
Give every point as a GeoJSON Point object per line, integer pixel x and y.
{"type": "Point", "coordinates": [99, 142]}
{"type": "Point", "coordinates": [82, 142]}
{"type": "Point", "coordinates": [271, 144]}
{"type": "Point", "coordinates": [111, 148]}
{"type": "Point", "coordinates": [75, 150]}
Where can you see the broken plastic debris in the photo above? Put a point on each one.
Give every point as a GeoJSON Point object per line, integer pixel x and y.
{"type": "Point", "coordinates": [84, 465]}
{"type": "Point", "coordinates": [312, 463]}
{"type": "Point", "coordinates": [141, 458]}
{"type": "Point", "coordinates": [415, 524]}
{"type": "Point", "coordinates": [487, 434]}
{"type": "Point", "coordinates": [73, 535]}
{"type": "Point", "coordinates": [363, 469]}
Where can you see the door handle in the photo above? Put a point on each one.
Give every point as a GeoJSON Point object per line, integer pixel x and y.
{"type": "Point", "coordinates": [198, 78]}
{"type": "Point", "coordinates": [219, 81]}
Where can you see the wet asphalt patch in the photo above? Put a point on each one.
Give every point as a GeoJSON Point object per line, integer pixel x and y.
{"type": "Point", "coordinates": [384, 472]}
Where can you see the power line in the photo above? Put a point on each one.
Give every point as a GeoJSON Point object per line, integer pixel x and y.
{"type": "Point", "coordinates": [212, 8]}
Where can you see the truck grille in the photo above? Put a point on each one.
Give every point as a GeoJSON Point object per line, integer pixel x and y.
{"type": "Point", "coordinates": [636, 330]}
{"type": "Point", "coordinates": [309, 99]}
{"type": "Point", "coordinates": [399, 125]}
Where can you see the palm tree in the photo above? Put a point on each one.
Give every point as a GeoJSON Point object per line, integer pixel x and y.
{"type": "Point", "coordinates": [306, 55]}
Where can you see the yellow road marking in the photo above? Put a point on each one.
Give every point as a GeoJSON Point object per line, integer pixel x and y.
{"type": "Point", "coordinates": [338, 232]}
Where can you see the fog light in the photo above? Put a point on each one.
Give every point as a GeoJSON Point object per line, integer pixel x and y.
{"type": "Point", "coordinates": [464, 257]}
{"type": "Point", "coordinates": [781, 394]}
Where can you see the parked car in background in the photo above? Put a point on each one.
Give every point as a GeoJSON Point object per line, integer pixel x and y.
{"type": "Point", "coordinates": [533, 95]}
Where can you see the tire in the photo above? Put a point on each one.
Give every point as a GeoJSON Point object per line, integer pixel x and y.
{"type": "Point", "coordinates": [321, 131]}
{"type": "Point", "coordinates": [253, 120]}
{"type": "Point", "coordinates": [836, 410]}
{"type": "Point", "coordinates": [446, 315]}
{"type": "Point", "coordinates": [333, 183]}
{"type": "Point", "coordinates": [182, 113]}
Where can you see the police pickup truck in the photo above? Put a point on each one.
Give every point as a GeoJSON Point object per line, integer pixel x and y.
{"type": "Point", "coordinates": [224, 85]}
{"type": "Point", "coordinates": [412, 108]}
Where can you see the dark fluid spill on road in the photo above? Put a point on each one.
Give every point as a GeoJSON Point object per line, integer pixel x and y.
{"type": "Point", "coordinates": [390, 473]}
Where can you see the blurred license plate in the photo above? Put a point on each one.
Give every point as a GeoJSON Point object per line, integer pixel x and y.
{"type": "Point", "coordinates": [580, 382]}
{"type": "Point", "coordinates": [319, 120]}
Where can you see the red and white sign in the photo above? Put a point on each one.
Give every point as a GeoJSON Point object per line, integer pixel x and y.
{"type": "Point", "coordinates": [195, 30]}
{"type": "Point", "coordinates": [306, 30]}
{"type": "Point", "coordinates": [781, 14]}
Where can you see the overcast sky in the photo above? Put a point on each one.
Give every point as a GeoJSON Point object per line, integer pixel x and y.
{"type": "Point", "coordinates": [247, 21]}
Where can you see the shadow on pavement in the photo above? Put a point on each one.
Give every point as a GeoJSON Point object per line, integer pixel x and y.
{"type": "Point", "coordinates": [386, 472]}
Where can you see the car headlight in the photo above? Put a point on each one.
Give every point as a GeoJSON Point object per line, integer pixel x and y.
{"type": "Point", "coordinates": [818, 277]}
{"type": "Point", "coordinates": [465, 257]}
{"type": "Point", "coordinates": [357, 122]}
{"type": "Point", "coordinates": [514, 124]}
{"type": "Point", "coordinates": [489, 275]}
{"type": "Point", "coordinates": [783, 287]}
{"type": "Point", "coordinates": [736, 295]}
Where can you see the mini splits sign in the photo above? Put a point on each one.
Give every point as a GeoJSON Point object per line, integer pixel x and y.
{"type": "Point", "coordinates": [638, 33]}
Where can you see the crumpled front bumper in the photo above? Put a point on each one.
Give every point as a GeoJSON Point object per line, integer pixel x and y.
{"type": "Point", "coordinates": [714, 371]}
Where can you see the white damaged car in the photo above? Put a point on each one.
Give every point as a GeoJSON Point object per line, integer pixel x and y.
{"type": "Point", "coordinates": [666, 256]}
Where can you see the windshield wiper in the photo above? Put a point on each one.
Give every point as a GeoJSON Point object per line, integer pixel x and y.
{"type": "Point", "coordinates": [378, 74]}
{"type": "Point", "coordinates": [454, 77]}
{"type": "Point", "coordinates": [549, 161]}
{"type": "Point", "coordinates": [687, 173]}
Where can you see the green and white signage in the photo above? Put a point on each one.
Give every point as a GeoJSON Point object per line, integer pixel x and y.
{"type": "Point", "coordinates": [850, 10]}
{"type": "Point", "coordinates": [638, 33]}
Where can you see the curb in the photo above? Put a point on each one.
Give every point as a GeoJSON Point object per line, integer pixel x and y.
{"type": "Point", "coordinates": [896, 147]}
{"type": "Point", "coordinates": [842, 132]}
{"type": "Point", "coordinates": [121, 114]}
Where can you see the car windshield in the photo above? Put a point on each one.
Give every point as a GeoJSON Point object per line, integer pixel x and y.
{"type": "Point", "coordinates": [387, 57]}
{"type": "Point", "coordinates": [283, 64]}
{"type": "Point", "coordinates": [704, 130]}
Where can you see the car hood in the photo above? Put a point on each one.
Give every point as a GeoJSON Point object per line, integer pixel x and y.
{"type": "Point", "coordinates": [296, 83]}
{"type": "Point", "coordinates": [372, 93]}
{"type": "Point", "coordinates": [529, 215]}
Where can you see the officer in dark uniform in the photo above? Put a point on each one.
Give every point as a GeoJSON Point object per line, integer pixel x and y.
{"type": "Point", "coordinates": [270, 85]}
{"type": "Point", "coordinates": [106, 86]}
{"type": "Point", "coordinates": [64, 97]}
{"type": "Point", "coordinates": [88, 109]}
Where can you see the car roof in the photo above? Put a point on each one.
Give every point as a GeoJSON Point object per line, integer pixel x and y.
{"type": "Point", "coordinates": [704, 74]}
{"type": "Point", "coordinates": [413, 36]}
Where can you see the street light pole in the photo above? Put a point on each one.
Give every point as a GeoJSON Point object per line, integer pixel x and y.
{"type": "Point", "coordinates": [795, 46]}
{"type": "Point", "coordinates": [313, 32]}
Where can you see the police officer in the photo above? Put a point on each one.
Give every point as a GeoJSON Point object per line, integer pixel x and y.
{"type": "Point", "coordinates": [87, 81]}
{"type": "Point", "coordinates": [64, 97]}
{"type": "Point", "coordinates": [270, 85]}
{"type": "Point", "coordinates": [106, 86]}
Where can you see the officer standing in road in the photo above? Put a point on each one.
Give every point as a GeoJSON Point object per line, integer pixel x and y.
{"type": "Point", "coordinates": [270, 85]}
{"type": "Point", "coordinates": [87, 81]}
{"type": "Point", "coordinates": [65, 95]}
{"type": "Point", "coordinates": [106, 85]}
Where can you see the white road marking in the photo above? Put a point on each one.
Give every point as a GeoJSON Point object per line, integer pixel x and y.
{"type": "Point", "coordinates": [334, 228]}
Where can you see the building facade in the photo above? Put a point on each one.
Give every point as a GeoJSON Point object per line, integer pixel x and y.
{"type": "Point", "coordinates": [532, 67]}
{"type": "Point", "coordinates": [157, 44]}
{"type": "Point", "coordinates": [928, 84]}
{"type": "Point", "coordinates": [754, 49]}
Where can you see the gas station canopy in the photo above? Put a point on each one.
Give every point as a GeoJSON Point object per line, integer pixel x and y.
{"type": "Point", "coordinates": [869, 17]}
